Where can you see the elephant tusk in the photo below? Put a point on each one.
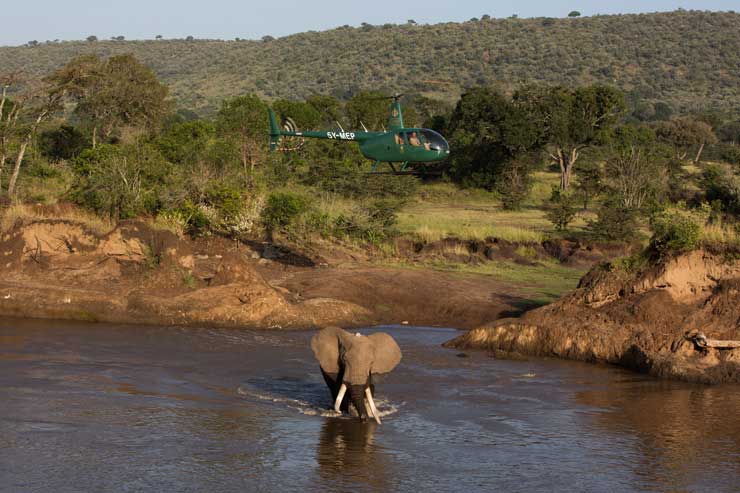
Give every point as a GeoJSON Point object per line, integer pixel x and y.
{"type": "Point", "coordinates": [372, 405]}
{"type": "Point", "coordinates": [340, 397]}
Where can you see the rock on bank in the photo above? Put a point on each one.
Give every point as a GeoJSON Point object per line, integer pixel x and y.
{"type": "Point", "coordinates": [641, 320]}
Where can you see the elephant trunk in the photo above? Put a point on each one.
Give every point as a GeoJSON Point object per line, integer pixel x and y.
{"type": "Point", "coordinates": [357, 397]}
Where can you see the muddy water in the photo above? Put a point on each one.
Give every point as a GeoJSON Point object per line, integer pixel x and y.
{"type": "Point", "coordinates": [105, 408]}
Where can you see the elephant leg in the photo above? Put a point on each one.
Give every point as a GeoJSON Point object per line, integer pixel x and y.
{"type": "Point", "coordinates": [334, 381]}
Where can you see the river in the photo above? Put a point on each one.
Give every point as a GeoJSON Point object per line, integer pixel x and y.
{"type": "Point", "coordinates": [87, 407]}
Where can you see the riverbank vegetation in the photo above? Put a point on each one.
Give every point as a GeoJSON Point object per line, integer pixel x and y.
{"type": "Point", "coordinates": [536, 163]}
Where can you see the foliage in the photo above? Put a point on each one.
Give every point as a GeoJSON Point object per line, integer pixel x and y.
{"type": "Point", "coordinates": [614, 222]}
{"type": "Point", "coordinates": [721, 185]}
{"type": "Point", "coordinates": [120, 181]}
{"type": "Point", "coordinates": [245, 118]}
{"type": "Point", "coordinates": [562, 209]}
{"type": "Point", "coordinates": [590, 182]}
{"type": "Point", "coordinates": [65, 142]}
{"type": "Point", "coordinates": [675, 230]}
{"type": "Point", "coordinates": [571, 119]}
{"type": "Point", "coordinates": [488, 132]}
{"type": "Point", "coordinates": [686, 59]}
{"type": "Point", "coordinates": [684, 134]}
{"type": "Point", "coordinates": [113, 93]}
{"type": "Point", "coordinates": [282, 208]}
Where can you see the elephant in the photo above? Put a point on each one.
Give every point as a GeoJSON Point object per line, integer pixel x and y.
{"type": "Point", "coordinates": [355, 362]}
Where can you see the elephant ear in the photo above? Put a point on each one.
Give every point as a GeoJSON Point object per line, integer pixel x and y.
{"type": "Point", "coordinates": [325, 346]}
{"type": "Point", "coordinates": [387, 353]}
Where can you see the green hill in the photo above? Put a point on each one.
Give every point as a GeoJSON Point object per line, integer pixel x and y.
{"type": "Point", "coordinates": [689, 59]}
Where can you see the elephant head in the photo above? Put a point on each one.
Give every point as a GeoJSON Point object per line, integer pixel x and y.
{"type": "Point", "coordinates": [356, 362]}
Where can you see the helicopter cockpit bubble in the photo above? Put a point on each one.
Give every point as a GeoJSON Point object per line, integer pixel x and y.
{"type": "Point", "coordinates": [436, 141]}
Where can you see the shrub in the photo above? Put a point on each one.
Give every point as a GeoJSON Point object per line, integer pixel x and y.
{"type": "Point", "coordinates": [614, 222]}
{"type": "Point", "coordinates": [674, 231]}
{"type": "Point", "coordinates": [731, 154]}
{"type": "Point", "coordinates": [562, 209]}
{"type": "Point", "coordinates": [282, 208]}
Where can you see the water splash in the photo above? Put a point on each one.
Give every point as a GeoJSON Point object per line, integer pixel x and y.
{"type": "Point", "coordinates": [385, 408]}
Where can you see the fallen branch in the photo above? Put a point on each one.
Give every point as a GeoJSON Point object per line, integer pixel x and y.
{"type": "Point", "coordinates": [703, 342]}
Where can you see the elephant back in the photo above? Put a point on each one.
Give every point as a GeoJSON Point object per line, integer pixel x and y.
{"type": "Point", "coordinates": [387, 353]}
{"type": "Point", "coordinates": [325, 347]}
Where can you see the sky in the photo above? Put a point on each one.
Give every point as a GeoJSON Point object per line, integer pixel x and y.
{"type": "Point", "coordinates": [228, 19]}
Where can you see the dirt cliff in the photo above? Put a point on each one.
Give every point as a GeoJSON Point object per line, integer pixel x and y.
{"type": "Point", "coordinates": [645, 320]}
{"type": "Point", "coordinates": [54, 268]}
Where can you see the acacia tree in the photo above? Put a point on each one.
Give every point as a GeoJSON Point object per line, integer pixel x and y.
{"type": "Point", "coordinates": [113, 93]}
{"type": "Point", "coordinates": [492, 136]}
{"type": "Point", "coordinates": [370, 108]}
{"type": "Point", "coordinates": [245, 118]}
{"type": "Point", "coordinates": [8, 117]}
{"type": "Point", "coordinates": [684, 134]}
{"type": "Point", "coordinates": [31, 110]}
{"type": "Point", "coordinates": [572, 119]}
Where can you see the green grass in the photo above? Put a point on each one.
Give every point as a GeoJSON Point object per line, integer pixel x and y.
{"type": "Point", "coordinates": [540, 284]}
{"type": "Point", "coordinates": [443, 210]}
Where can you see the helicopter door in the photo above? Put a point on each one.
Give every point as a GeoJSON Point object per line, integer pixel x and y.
{"type": "Point", "coordinates": [400, 138]}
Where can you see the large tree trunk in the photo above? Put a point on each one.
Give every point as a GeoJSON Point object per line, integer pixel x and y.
{"type": "Point", "coordinates": [566, 160]}
{"type": "Point", "coordinates": [17, 168]}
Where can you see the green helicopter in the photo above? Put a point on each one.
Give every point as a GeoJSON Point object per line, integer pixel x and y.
{"type": "Point", "coordinates": [406, 147]}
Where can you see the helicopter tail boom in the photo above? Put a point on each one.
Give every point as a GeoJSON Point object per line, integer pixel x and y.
{"type": "Point", "coordinates": [274, 131]}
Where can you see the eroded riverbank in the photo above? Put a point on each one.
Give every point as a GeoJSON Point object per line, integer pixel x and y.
{"type": "Point", "coordinates": [112, 408]}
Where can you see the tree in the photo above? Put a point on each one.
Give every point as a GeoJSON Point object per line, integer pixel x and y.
{"type": "Point", "coordinates": [112, 93]}
{"type": "Point", "coordinates": [328, 107]}
{"type": "Point", "coordinates": [245, 118]}
{"type": "Point", "coordinates": [368, 107]}
{"type": "Point", "coordinates": [590, 182]}
{"type": "Point", "coordinates": [9, 112]}
{"type": "Point", "coordinates": [574, 13]}
{"type": "Point", "coordinates": [303, 114]}
{"type": "Point", "coordinates": [572, 119]}
{"type": "Point", "coordinates": [684, 134]}
{"type": "Point", "coordinates": [158, 36]}
{"type": "Point", "coordinates": [190, 38]}
{"type": "Point", "coordinates": [92, 39]}
{"type": "Point", "coordinates": [32, 108]}
{"type": "Point", "coordinates": [562, 209]}
{"type": "Point", "coordinates": [490, 132]}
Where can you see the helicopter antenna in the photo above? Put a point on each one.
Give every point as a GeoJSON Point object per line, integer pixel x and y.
{"type": "Point", "coordinates": [364, 127]}
{"type": "Point", "coordinates": [340, 126]}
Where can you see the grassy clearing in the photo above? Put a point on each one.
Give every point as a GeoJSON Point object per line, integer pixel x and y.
{"type": "Point", "coordinates": [27, 213]}
{"type": "Point", "coordinates": [719, 234]}
{"type": "Point", "coordinates": [443, 210]}
{"type": "Point", "coordinates": [540, 284]}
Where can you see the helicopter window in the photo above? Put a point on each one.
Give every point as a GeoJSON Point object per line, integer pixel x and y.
{"type": "Point", "coordinates": [400, 138]}
{"type": "Point", "coordinates": [414, 139]}
{"type": "Point", "coordinates": [435, 141]}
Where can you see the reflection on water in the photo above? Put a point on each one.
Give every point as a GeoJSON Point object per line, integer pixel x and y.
{"type": "Point", "coordinates": [107, 408]}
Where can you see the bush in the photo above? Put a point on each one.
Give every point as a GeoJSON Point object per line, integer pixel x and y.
{"type": "Point", "coordinates": [614, 222]}
{"type": "Point", "coordinates": [120, 181]}
{"type": "Point", "coordinates": [731, 154]}
{"type": "Point", "coordinates": [282, 208]}
{"type": "Point", "coordinates": [562, 209]}
{"type": "Point", "coordinates": [674, 231]}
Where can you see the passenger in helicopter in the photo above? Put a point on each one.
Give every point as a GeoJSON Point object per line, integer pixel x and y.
{"type": "Point", "coordinates": [414, 140]}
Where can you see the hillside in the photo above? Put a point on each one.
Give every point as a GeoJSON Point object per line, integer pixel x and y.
{"type": "Point", "coordinates": [689, 59]}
